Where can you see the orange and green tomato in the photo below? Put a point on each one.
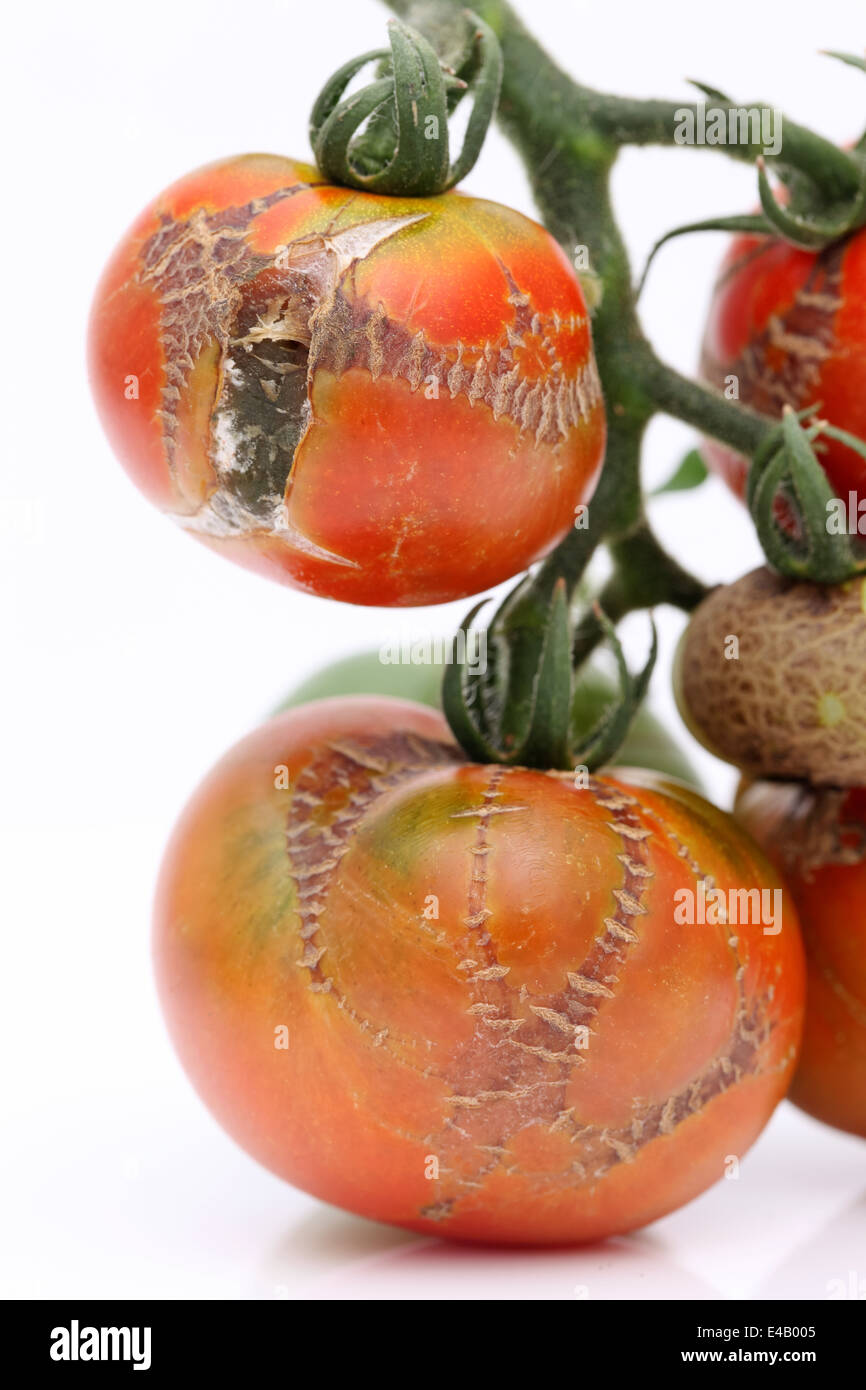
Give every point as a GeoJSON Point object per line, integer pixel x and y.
{"type": "Point", "coordinates": [456, 997]}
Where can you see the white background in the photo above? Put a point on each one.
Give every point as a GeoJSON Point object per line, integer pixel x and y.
{"type": "Point", "coordinates": [134, 657]}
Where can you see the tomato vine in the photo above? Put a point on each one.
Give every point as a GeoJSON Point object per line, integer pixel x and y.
{"type": "Point", "coordinates": [569, 137]}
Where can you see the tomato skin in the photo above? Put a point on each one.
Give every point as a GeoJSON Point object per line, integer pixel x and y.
{"type": "Point", "coordinates": [413, 1037]}
{"type": "Point", "coordinates": [817, 839]}
{"type": "Point", "coordinates": [789, 324]}
{"type": "Point", "coordinates": [382, 400]}
{"type": "Point", "coordinates": [648, 743]}
{"type": "Point", "coordinates": [789, 699]}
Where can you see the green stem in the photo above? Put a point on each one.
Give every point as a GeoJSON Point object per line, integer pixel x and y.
{"type": "Point", "coordinates": [712, 413]}
{"type": "Point", "coordinates": [560, 101]}
{"type": "Point", "coordinates": [644, 575]}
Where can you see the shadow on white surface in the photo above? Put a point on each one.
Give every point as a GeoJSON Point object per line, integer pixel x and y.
{"type": "Point", "coordinates": [351, 1259]}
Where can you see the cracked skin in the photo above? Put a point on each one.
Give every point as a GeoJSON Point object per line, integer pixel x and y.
{"type": "Point", "coordinates": [575, 1063]}
{"type": "Point", "coordinates": [381, 400]}
{"type": "Point", "coordinates": [788, 325]}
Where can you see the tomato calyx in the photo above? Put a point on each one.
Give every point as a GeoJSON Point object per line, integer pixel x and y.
{"type": "Point", "coordinates": [792, 503]}
{"type": "Point", "coordinates": [403, 149]}
{"type": "Point", "coordinates": [525, 709]}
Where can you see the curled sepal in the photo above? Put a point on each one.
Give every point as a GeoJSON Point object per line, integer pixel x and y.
{"type": "Point", "coordinates": [752, 222]}
{"type": "Point", "coordinates": [546, 743]}
{"type": "Point", "coordinates": [475, 703]}
{"type": "Point", "coordinates": [404, 149]}
{"type": "Point", "coordinates": [852, 60]}
{"type": "Point", "coordinates": [552, 724]}
{"type": "Point", "coordinates": [601, 744]}
{"type": "Point", "coordinates": [812, 229]}
{"type": "Point", "coordinates": [462, 701]}
{"type": "Point", "coordinates": [769, 448]}
{"type": "Point", "coordinates": [791, 474]}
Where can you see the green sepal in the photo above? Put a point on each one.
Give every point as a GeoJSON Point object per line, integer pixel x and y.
{"type": "Point", "coordinates": [601, 744]}
{"type": "Point", "coordinates": [461, 703]}
{"type": "Point", "coordinates": [793, 471]}
{"type": "Point", "coordinates": [547, 738]}
{"type": "Point", "coordinates": [752, 222]}
{"type": "Point", "coordinates": [404, 150]}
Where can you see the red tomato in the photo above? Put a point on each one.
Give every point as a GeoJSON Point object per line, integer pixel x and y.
{"type": "Point", "coordinates": [789, 324]}
{"type": "Point", "coordinates": [818, 838]}
{"type": "Point", "coordinates": [457, 997]}
{"type": "Point", "coordinates": [382, 400]}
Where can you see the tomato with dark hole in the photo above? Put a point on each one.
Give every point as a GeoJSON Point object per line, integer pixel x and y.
{"type": "Point", "coordinates": [381, 400]}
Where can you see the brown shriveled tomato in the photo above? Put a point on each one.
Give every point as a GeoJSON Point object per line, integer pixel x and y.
{"type": "Point", "coordinates": [789, 325]}
{"type": "Point", "coordinates": [457, 997]}
{"type": "Point", "coordinates": [818, 838]}
{"type": "Point", "coordinates": [381, 400]}
{"type": "Point", "coordinates": [769, 675]}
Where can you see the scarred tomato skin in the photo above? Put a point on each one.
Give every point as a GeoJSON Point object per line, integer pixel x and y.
{"type": "Point", "coordinates": [818, 839]}
{"type": "Point", "coordinates": [429, 938]}
{"type": "Point", "coordinates": [789, 325]}
{"type": "Point", "coordinates": [382, 400]}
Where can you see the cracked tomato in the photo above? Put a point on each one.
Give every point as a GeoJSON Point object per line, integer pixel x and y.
{"type": "Point", "coordinates": [817, 836]}
{"type": "Point", "coordinates": [381, 400]}
{"type": "Point", "coordinates": [474, 1001]}
{"type": "Point", "coordinates": [789, 325]}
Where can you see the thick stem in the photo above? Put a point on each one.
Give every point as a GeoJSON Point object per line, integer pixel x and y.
{"type": "Point", "coordinates": [728, 421]}
{"type": "Point", "coordinates": [644, 576]}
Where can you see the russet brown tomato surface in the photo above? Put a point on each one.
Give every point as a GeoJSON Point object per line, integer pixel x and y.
{"type": "Point", "coordinates": [381, 400]}
{"type": "Point", "coordinates": [435, 936]}
{"type": "Point", "coordinates": [790, 325]}
{"type": "Point", "coordinates": [818, 838]}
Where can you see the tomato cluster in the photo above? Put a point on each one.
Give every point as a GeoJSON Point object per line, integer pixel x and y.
{"type": "Point", "coordinates": [770, 673]}
{"type": "Point", "coordinates": [491, 1002]}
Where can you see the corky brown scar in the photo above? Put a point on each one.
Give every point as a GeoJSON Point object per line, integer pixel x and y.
{"type": "Point", "coordinates": [362, 770]}
{"type": "Point", "coordinates": [513, 1072]}
{"type": "Point", "coordinates": [278, 319]}
{"type": "Point", "coordinates": [803, 337]}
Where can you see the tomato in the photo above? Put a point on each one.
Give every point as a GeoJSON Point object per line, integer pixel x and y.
{"type": "Point", "coordinates": [381, 400]}
{"type": "Point", "coordinates": [647, 743]}
{"type": "Point", "coordinates": [769, 675]}
{"type": "Point", "coordinates": [455, 997]}
{"type": "Point", "coordinates": [789, 325]}
{"type": "Point", "coordinates": [818, 838]}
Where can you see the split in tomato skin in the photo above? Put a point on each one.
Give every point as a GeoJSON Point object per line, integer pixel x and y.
{"type": "Point", "coordinates": [430, 939]}
{"type": "Point", "coordinates": [789, 325]}
{"type": "Point", "coordinates": [818, 839]}
{"type": "Point", "coordinates": [382, 400]}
